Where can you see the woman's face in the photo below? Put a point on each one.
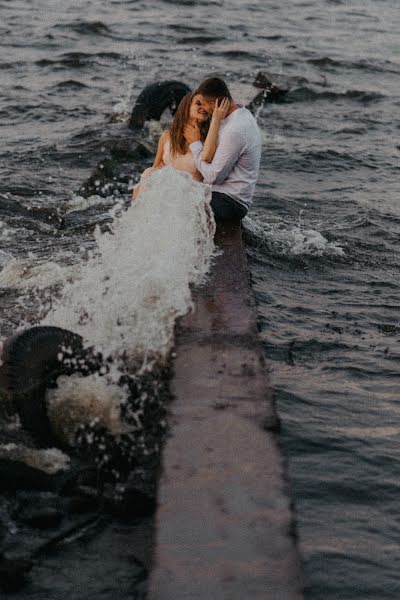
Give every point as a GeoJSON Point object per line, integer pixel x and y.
{"type": "Point", "coordinates": [197, 111]}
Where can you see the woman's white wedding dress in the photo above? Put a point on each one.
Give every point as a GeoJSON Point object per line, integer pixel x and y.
{"type": "Point", "coordinates": [183, 162]}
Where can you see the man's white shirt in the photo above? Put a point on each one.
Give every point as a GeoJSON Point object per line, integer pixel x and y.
{"type": "Point", "coordinates": [234, 168]}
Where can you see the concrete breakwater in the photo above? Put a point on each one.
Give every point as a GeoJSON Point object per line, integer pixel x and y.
{"type": "Point", "coordinates": [224, 520]}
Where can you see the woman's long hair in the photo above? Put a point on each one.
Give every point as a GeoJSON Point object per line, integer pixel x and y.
{"type": "Point", "coordinates": [178, 143]}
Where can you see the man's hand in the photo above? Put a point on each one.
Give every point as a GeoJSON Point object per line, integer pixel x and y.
{"type": "Point", "coordinates": [191, 133]}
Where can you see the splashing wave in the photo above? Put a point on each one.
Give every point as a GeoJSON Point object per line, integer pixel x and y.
{"type": "Point", "coordinates": [294, 241]}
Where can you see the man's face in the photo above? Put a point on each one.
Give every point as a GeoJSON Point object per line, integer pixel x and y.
{"type": "Point", "coordinates": [207, 104]}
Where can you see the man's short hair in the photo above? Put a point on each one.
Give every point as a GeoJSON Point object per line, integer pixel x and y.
{"type": "Point", "coordinates": [214, 88]}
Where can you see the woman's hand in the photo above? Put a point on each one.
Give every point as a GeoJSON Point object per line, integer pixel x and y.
{"type": "Point", "coordinates": [221, 109]}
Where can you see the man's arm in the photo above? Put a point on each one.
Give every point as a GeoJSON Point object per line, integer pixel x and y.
{"type": "Point", "coordinates": [228, 151]}
{"type": "Point", "coordinates": [211, 142]}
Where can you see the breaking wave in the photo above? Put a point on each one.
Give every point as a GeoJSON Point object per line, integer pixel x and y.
{"type": "Point", "coordinates": [126, 297]}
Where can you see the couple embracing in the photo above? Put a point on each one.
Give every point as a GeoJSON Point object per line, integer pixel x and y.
{"type": "Point", "coordinates": [218, 142]}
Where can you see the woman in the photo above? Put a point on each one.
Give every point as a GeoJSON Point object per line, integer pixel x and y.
{"type": "Point", "coordinates": [173, 148]}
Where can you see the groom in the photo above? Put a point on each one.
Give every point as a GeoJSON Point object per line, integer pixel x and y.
{"type": "Point", "coordinates": [233, 171]}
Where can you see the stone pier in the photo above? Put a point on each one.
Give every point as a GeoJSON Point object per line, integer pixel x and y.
{"type": "Point", "coordinates": [224, 521]}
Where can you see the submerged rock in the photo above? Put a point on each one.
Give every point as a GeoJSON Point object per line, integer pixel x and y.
{"type": "Point", "coordinates": [271, 92]}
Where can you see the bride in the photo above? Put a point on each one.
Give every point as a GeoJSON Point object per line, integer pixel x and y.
{"type": "Point", "coordinates": [173, 148]}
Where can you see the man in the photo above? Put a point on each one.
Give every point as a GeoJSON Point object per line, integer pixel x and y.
{"type": "Point", "coordinates": [233, 171]}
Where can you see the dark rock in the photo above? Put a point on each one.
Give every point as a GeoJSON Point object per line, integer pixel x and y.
{"type": "Point", "coordinates": [262, 81]}
{"type": "Point", "coordinates": [108, 178]}
{"type": "Point", "coordinates": [271, 92]}
{"type": "Point", "coordinates": [13, 573]}
{"type": "Point", "coordinates": [124, 149]}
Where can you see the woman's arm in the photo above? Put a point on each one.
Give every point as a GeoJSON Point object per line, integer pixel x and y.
{"type": "Point", "coordinates": [158, 161]}
{"type": "Point", "coordinates": [211, 141]}
{"type": "Point", "coordinates": [157, 164]}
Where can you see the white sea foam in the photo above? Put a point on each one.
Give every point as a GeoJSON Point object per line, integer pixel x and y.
{"type": "Point", "coordinates": [122, 103]}
{"type": "Point", "coordinates": [25, 274]}
{"type": "Point", "coordinates": [291, 240]}
{"type": "Point", "coordinates": [50, 460]}
{"type": "Point", "coordinates": [126, 298]}
{"type": "Point", "coordinates": [80, 203]}
{"type": "Point", "coordinates": [92, 399]}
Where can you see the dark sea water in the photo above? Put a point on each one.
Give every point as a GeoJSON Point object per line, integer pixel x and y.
{"type": "Point", "coordinates": [323, 236]}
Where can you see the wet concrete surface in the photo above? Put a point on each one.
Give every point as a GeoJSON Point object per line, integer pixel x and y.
{"type": "Point", "coordinates": [224, 520]}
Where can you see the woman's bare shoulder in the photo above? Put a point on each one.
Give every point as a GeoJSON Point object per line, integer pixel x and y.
{"type": "Point", "coordinates": [165, 135]}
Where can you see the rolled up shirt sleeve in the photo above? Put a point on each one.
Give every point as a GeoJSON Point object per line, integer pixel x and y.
{"type": "Point", "coordinates": [228, 152]}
